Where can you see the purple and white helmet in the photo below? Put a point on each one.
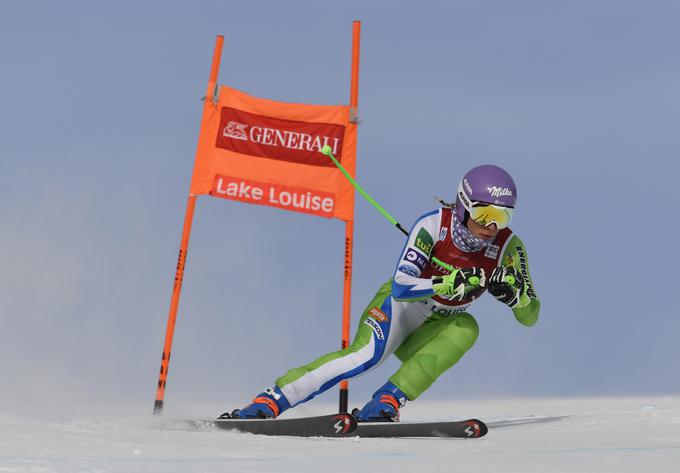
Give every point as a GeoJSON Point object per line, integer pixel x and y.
{"type": "Point", "coordinates": [485, 184]}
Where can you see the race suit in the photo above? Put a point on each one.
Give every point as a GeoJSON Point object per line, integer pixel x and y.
{"type": "Point", "coordinates": [427, 332]}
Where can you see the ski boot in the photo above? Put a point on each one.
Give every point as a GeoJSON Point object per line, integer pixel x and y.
{"type": "Point", "coordinates": [266, 405]}
{"type": "Point", "coordinates": [384, 407]}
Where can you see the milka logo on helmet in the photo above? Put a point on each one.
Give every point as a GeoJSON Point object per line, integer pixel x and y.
{"type": "Point", "coordinates": [499, 191]}
{"type": "Point", "coordinates": [235, 130]}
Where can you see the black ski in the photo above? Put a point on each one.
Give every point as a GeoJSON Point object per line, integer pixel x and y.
{"type": "Point", "coordinates": [471, 428]}
{"type": "Point", "coordinates": [336, 425]}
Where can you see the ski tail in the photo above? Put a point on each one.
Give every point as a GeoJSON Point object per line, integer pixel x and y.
{"type": "Point", "coordinates": [334, 425]}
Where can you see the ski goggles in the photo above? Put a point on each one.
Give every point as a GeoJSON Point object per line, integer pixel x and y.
{"type": "Point", "coordinates": [487, 214]}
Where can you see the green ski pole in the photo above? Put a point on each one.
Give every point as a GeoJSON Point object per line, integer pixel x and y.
{"type": "Point", "coordinates": [328, 151]}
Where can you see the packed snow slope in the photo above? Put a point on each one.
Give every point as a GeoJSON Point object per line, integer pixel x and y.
{"type": "Point", "coordinates": [597, 435]}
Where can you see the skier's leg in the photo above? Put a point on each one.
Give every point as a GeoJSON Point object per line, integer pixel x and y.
{"type": "Point", "coordinates": [431, 350]}
{"type": "Point", "coordinates": [383, 327]}
{"type": "Point", "coordinates": [368, 349]}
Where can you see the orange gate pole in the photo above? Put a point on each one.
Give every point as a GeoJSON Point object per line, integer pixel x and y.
{"type": "Point", "coordinates": [184, 245]}
{"type": "Point", "coordinates": [349, 225]}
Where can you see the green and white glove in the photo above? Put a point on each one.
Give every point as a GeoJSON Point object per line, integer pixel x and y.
{"type": "Point", "coordinates": [461, 284]}
{"type": "Point", "coordinates": [508, 286]}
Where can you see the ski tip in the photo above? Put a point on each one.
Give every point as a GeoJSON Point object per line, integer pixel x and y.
{"type": "Point", "coordinates": [475, 428]}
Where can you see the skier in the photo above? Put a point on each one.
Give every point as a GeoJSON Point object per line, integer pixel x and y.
{"type": "Point", "coordinates": [421, 314]}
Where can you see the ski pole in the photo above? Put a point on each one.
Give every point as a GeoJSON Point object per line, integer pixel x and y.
{"type": "Point", "coordinates": [328, 151]}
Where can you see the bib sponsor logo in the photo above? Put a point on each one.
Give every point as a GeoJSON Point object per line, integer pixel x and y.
{"type": "Point", "coordinates": [376, 328]}
{"type": "Point", "coordinates": [424, 241]}
{"type": "Point", "coordinates": [414, 257]}
{"type": "Point", "coordinates": [285, 197]}
{"type": "Point", "coordinates": [454, 260]}
{"type": "Point", "coordinates": [447, 312]}
{"type": "Point", "coordinates": [443, 310]}
{"type": "Point", "coordinates": [378, 314]}
{"type": "Point", "coordinates": [492, 251]}
{"type": "Point", "coordinates": [442, 233]}
{"type": "Point", "coordinates": [285, 140]}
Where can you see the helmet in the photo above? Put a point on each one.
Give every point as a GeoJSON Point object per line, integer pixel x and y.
{"type": "Point", "coordinates": [488, 194]}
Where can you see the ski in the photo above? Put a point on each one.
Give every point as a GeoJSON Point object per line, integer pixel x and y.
{"type": "Point", "coordinates": [345, 425]}
{"type": "Point", "coordinates": [335, 425]}
{"type": "Point", "coordinates": [471, 428]}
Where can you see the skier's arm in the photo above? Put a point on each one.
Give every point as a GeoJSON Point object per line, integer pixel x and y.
{"type": "Point", "coordinates": [407, 284]}
{"type": "Point", "coordinates": [528, 307]}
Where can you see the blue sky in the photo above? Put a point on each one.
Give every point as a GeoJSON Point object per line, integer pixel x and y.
{"type": "Point", "coordinates": [99, 112]}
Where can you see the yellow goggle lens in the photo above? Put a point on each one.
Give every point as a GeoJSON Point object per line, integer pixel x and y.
{"type": "Point", "coordinates": [487, 214]}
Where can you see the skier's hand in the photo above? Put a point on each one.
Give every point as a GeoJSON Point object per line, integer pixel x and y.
{"type": "Point", "coordinates": [507, 285]}
{"type": "Point", "coordinates": [461, 284]}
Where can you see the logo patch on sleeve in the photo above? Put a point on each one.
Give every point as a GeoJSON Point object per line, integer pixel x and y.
{"type": "Point", "coordinates": [414, 257]}
{"type": "Point", "coordinates": [378, 314]}
{"type": "Point", "coordinates": [410, 270]}
{"type": "Point", "coordinates": [424, 241]}
{"type": "Point", "coordinates": [376, 328]}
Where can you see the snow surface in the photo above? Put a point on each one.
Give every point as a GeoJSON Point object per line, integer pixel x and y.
{"type": "Point", "coordinates": [598, 435]}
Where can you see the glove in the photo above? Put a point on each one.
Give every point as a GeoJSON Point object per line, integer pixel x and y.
{"type": "Point", "coordinates": [461, 284]}
{"type": "Point", "coordinates": [507, 285]}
